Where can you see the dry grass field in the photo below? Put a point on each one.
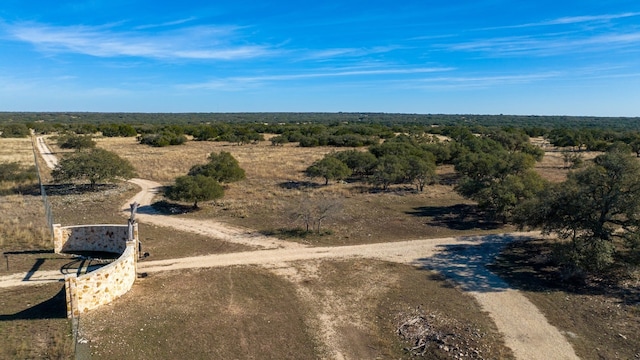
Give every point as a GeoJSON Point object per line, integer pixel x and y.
{"type": "Point", "coordinates": [315, 310]}
{"type": "Point", "coordinates": [16, 150]}
{"type": "Point", "coordinates": [276, 186]}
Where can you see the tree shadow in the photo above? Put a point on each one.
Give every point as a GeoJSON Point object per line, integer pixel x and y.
{"type": "Point", "coordinates": [299, 185]}
{"type": "Point", "coordinates": [23, 189]}
{"type": "Point", "coordinates": [466, 264]}
{"type": "Point", "coordinates": [532, 266]}
{"type": "Point", "coordinates": [53, 308]}
{"type": "Point", "coordinates": [448, 179]}
{"type": "Point", "coordinates": [164, 207]}
{"type": "Point", "coordinates": [77, 189]}
{"type": "Point", "coordinates": [295, 233]}
{"type": "Point", "coordinates": [456, 217]}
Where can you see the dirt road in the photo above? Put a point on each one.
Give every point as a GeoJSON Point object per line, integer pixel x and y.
{"type": "Point", "coordinates": [49, 158]}
{"type": "Point", "coordinates": [526, 330]}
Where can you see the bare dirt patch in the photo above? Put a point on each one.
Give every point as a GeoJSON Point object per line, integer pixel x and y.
{"type": "Point", "coordinates": [230, 313]}
{"type": "Point", "coordinates": [311, 310]}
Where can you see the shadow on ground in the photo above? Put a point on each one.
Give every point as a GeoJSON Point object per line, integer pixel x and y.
{"type": "Point", "coordinates": [291, 185]}
{"type": "Point", "coordinates": [87, 261]}
{"type": "Point", "coordinates": [53, 308]}
{"type": "Point", "coordinates": [77, 189]}
{"type": "Point", "coordinates": [456, 217]}
{"type": "Point", "coordinates": [164, 207]}
{"type": "Point", "coordinates": [466, 264]}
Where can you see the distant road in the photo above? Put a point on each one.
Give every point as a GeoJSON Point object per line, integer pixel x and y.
{"type": "Point", "coordinates": [49, 158]}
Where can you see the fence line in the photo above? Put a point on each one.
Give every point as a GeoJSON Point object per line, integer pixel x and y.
{"type": "Point", "coordinates": [43, 193]}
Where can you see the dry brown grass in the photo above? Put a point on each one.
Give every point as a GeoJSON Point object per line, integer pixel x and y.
{"type": "Point", "coordinates": [276, 185]}
{"type": "Point", "coordinates": [16, 150]}
{"type": "Point", "coordinates": [553, 168]}
{"type": "Point", "coordinates": [23, 224]}
{"type": "Point", "coordinates": [33, 323]}
{"type": "Point", "coordinates": [262, 161]}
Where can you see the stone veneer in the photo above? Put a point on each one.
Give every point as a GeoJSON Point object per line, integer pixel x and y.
{"type": "Point", "coordinates": [107, 238]}
{"type": "Point", "coordinates": [100, 287]}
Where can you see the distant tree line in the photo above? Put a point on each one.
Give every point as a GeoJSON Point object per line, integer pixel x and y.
{"type": "Point", "coordinates": [387, 119]}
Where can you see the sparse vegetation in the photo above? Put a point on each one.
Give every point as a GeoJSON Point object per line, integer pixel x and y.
{"type": "Point", "coordinates": [276, 198]}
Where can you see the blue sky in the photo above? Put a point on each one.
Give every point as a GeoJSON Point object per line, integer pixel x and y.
{"type": "Point", "coordinates": [456, 57]}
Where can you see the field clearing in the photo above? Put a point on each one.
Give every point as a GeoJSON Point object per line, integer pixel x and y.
{"type": "Point", "coordinates": [262, 161]}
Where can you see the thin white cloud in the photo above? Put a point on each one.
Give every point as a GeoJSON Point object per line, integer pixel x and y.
{"type": "Point", "coordinates": [166, 24]}
{"type": "Point", "coordinates": [568, 20]}
{"type": "Point", "coordinates": [198, 42]}
{"type": "Point", "coordinates": [549, 44]}
{"type": "Point", "coordinates": [252, 81]}
{"type": "Point", "coordinates": [484, 81]}
{"type": "Point", "coordinates": [347, 52]}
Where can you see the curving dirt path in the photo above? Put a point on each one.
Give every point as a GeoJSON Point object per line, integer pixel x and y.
{"type": "Point", "coordinates": [209, 228]}
{"type": "Point", "coordinates": [526, 330]}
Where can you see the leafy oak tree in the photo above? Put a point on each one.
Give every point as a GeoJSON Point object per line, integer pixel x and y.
{"type": "Point", "coordinates": [195, 189]}
{"type": "Point", "coordinates": [496, 178]}
{"type": "Point", "coordinates": [95, 165]}
{"type": "Point", "coordinates": [329, 168]}
{"type": "Point", "coordinates": [421, 170]}
{"type": "Point", "coordinates": [77, 142]}
{"type": "Point", "coordinates": [597, 210]}
{"type": "Point", "coordinates": [221, 166]}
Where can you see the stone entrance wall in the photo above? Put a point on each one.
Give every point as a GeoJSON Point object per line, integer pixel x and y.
{"type": "Point", "coordinates": [100, 287]}
{"type": "Point", "coordinates": [107, 238]}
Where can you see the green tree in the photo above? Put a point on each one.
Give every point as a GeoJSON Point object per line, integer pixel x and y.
{"type": "Point", "coordinates": [391, 169]}
{"type": "Point", "coordinates": [77, 142]}
{"type": "Point", "coordinates": [195, 188]}
{"type": "Point", "coordinates": [421, 170]}
{"type": "Point", "coordinates": [494, 179]}
{"type": "Point", "coordinates": [279, 140]}
{"type": "Point", "coordinates": [163, 139]}
{"type": "Point", "coordinates": [118, 130]}
{"type": "Point", "coordinates": [328, 168]}
{"type": "Point", "coordinates": [596, 209]}
{"type": "Point", "coordinates": [360, 162]}
{"type": "Point", "coordinates": [221, 166]}
{"type": "Point", "coordinates": [96, 165]}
